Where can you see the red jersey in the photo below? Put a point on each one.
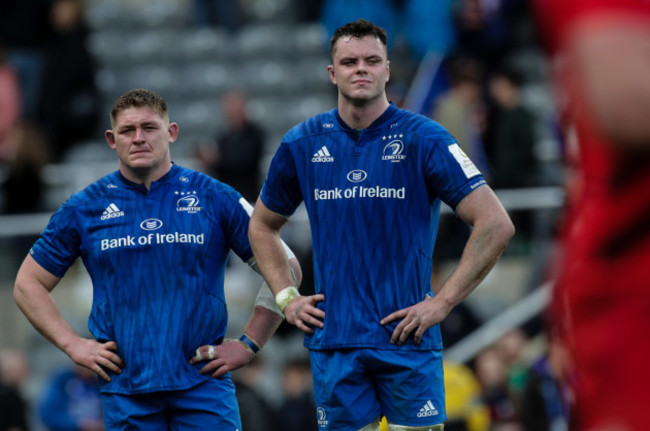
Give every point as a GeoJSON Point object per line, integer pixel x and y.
{"type": "Point", "coordinates": [602, 295]}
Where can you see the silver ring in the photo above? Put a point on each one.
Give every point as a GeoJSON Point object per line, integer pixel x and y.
{"type": "Point", "coordinates": [198, 355]}
{"type": "Point", "coordinates": [211, 352]}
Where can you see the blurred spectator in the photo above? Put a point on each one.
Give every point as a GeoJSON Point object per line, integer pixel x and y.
{"type": "Point", "coordinates": [491, 372]}
{"type": "Point", "coordinates": [254, 409]}
{"type": "Point", "coordinates": [483, 31]}
{"type": "Point", "coordinates": [461, 109]}
{"type": "Point", "coordinates": [24, 31]}
{"type": "Point", "coordinates": [545, 400]}
{"type": "Point", "coordinates": [71, 401]}
{"type": "Point", "coordinates": [9, 102]}
{"type": "Point", "coordinates": [23, 189]}
{"type": "Point", "coordinates": [298, 410]}
{"type": "Point", "coordinates": [239, 150]}
{"type": "Point", "coordinates": [69, 100]}
{"type": "Point", "coordinates": [511, 346]}
{"type": "Point", "coordinates": [13, 374]}
{"type": "Point", "coordinates": [465, 408]}
{"type": "Point", "coordinates": [510, 135]}
{"type": "Point", "coordinates": [510, 141]}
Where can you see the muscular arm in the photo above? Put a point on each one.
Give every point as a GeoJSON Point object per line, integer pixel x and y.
{"type": "Point", "coordinates": [264, 235]}
{"type": "Point", "coordinates": [492, 229]}
{"type": "Point", "coordinates": [32, 294]}
{"type": "Point", "coordinates": [265, 320]}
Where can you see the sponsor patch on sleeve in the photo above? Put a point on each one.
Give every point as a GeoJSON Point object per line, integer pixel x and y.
{"type": "Point", "coordinates": [465, 163]}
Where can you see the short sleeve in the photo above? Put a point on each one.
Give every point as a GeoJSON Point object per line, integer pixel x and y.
{"type": "Point", "coordinates": [59, 244]}
{"type": "Point", "coordinates": [449, 172]}
{"type": "Point", "coordinates": [281, 191]}
{"type": "Point", "coordinates": [235, 220]}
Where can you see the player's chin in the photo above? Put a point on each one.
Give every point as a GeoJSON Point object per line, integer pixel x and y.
{"type": "Point", "coordinates": [361, 97]}
{"type": "Point", "coordinates": [140, 161]}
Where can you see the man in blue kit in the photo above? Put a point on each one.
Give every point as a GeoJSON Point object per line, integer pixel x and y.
{"type": "Point", "coordinates": [372, 177]}
{"type": "Point", "coordinates": [155, 239]}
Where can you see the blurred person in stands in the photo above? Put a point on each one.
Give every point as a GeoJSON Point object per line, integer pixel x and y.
{"type": "Point", "coordinates": [256, 412]}
{"type": "Point", "coordinates": [510, 134]}
{"type": "Point", "coordinates": [155, 238]}
{"type": "Point", "coordinates": [14, 371]}
{"type": "Point", "coordinates": [23, 188]}
{"type": "Point", "coordinates": [461, 109]}
{"type": "Point", "coordinates": [9, 102]}
{"type": "Point", "coordinates": [71, 401]}
{"type": "Point", "coordinates": [510, 138]}
{"type": "Point", "coordinates": [512, 348]}
{"type": "Point", "coordinates": [484, 29]}
{"type": "Point", "coordinates": [69, 100]}
{"type": "Point", "coordinates": [601, 302]}
{"type": "Point", "coordinates": [491, 372]}
{"type": "Point", "coordinates": [24, 32]}
{"type": "Point", "coordinates": [239, 150]}
{"type": "Point", "coordinates": [297, 412]}
{"type": "Point", "coordinates": [546, 400]}
{"type": "Point", "coordinates": [372, 177]}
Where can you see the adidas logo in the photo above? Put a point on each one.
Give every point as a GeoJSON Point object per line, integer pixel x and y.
{"type": "Point", "coordinates": [323, 155]}
{"type": "Point", "coordinates": [427, 410]}
{"type": "Point", "coordinates": [112, 211]}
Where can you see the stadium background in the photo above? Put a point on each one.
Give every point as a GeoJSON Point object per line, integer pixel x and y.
{"type": "Point", "coordinates": [277, 51]}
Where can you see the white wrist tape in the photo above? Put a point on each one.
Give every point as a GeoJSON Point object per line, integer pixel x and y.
{"type": "Point", "coordinates": [285, 296]}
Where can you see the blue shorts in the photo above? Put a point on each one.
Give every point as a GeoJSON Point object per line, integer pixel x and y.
{"type": "Point", "coordinates": [209, 405]}
{"type": "Point", "coordinates": [352, 387]}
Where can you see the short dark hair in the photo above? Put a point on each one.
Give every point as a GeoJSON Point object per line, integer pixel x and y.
{"type": "Point", "coordinates": [138, 98]}
{"type": "Point", "coordinates": [358, 29]}
{"type": "Point", "coordinates": [511, 74]}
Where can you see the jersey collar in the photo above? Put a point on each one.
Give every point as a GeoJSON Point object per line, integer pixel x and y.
{"type": "Point", "coordinates": [380, 121]}
{"type": "Point", "coordinates": [172, 173]}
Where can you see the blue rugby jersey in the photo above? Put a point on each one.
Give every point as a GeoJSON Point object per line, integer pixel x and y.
{"type": "Point", "coordinates": [157, 260]}
{"type": "Point", "coordinates": [373, 200]}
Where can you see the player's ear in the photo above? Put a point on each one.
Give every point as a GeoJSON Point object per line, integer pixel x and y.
{"type": "Point", "coordinates": [387, 70]}
{"type": "Point", "coordinates": [332, 75]}
{"type": "Point", "coordinates": [110, 138]}
{"type": "Point", "coordinates": [173, 132]}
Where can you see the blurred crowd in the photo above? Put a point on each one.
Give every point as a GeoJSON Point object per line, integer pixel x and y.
{"type": "Point", "coordinates": [50, 101]}
{"type": "Point", "coordinates": [48, 94]}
